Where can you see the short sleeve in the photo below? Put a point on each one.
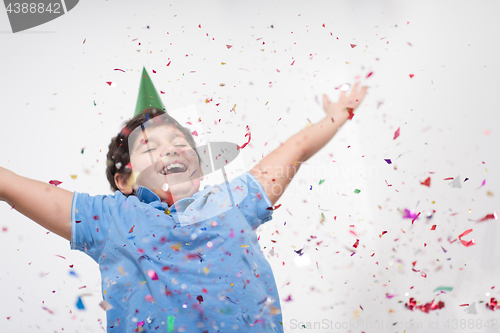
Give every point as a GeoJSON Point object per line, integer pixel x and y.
{"type": "Point", "coordinates": [90, 222]}
{"type": "Point", "coordinates": [256, 206]}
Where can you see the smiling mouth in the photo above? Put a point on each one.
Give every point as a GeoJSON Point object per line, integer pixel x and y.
{"type": "Point", "coordinates": [174, 168]}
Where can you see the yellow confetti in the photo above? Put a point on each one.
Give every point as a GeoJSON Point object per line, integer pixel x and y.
{"type": "Point", "coordinates": [206, 270]}
{"type": "Point", "coordinates": [120, 269]}
{"type": "Point", "coordinates": [73, 176]}
{"type": "Point", "coordinates": [177, 247]}
{"type": "Point", "coordinates": [222, 63]}
{"type": "Point", "coordinates": [234, 108]}
{"type": "Point", "coordinates": [244, 245]}
{"type": "Point", "coordinates": [232, 284]}
{"type": "Point", "coordinates": [167, 211]}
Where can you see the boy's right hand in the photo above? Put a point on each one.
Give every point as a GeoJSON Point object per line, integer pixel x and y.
{"type": "Point", "coordinates": [344, 108]}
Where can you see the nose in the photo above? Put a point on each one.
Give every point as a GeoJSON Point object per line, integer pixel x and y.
{"type": "Point", "coordinates": [170, 150]}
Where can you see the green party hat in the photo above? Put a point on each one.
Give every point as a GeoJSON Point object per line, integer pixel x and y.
{"type": "Point", "coordinates": [148, 96]}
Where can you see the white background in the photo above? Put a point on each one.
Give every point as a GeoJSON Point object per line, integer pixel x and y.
{"type": "Point", "coordinates": [281, 62]}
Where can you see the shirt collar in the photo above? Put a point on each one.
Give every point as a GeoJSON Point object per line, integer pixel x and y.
{"type": "Point", "coordinates": [145, 195]}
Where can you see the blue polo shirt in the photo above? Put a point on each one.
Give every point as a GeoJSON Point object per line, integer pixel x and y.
{"type": "Point", "coordinates": [181, 268]}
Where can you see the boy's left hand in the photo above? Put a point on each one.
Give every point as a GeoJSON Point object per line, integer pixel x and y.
{"type": "Point", "coordinates": [344, 108]}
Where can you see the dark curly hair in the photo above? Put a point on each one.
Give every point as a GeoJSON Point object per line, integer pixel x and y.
{"type": "Point", "coordinates": [118, 150]}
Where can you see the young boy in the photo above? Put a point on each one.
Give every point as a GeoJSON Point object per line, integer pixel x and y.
{"type": "Point", "coordinates": [169, 260]}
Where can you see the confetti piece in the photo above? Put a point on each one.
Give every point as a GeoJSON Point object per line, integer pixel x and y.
{"type": "Point", "coordinates": [489, 216]}
{"type": "Point", "coordinates": [369, 74]}
{"type": "Point", "coordinates": [199, 298]}
{"type": "Point", "coordinates": [83, 149]}
{"type": "Point", "coordinates": [357, 191]}
{"type": "Point", "coordinates": [55, 182]}
{"type": "Point", "coordinates": [443, 249]}
{"type": "Point", "coordinates": [351, 112]}
{"type": "Point", "coordinates": [73, 176]}
{"type": "Point", "coordinates": [293, 62]}
{"type": "Point", "coordinates": [466, 243]}
{"type": "Point", "coordinates": [79, 304]}
{"type": "Point", "coordinates": [355, 245]}
{"type": "Point", "coordinates": [412, 75]}
{"type": "Point", "coordinates": [433, 227]}
{"type": "Point", "coordinates": [443, 289]}
{"type": "Point", "coordinates": [482, 184]}
{"type": "Point", "coordinates": [396, 134]}
{"type": "Point", "coordinates": [194, 133]}
{"type": "Point", "coordinates": [244, 245]}
{"type": "Point", "coordinates": [353, 46]}
{"type": "Point", "coordinates": [321, 181]}
{"type": "Point", "coordinates": [408, 214]}
{"type": "Point", "coordinates": [105, 305]}
{"type": "Point", "coordinates": [388, 160]}
{"type": "Point", "coordinates": [245, 144]}
{"type": "Point", "coordinates": [84, 40]}
{"type": "Point", "coordinates": [131, 229]}
{"type": "Point", "coordinates": [275, 207]}
{"type": "Point", "coordinates": [169, 63]}
{"type": "Point", "coordinates": [149, 298]}
{"type": "Point", "coordinates": [427, 182]}
{"type": "Point", "coordinates": [60, 256]}
{"type": "Point", "coordinates": [117, 69]}
{"type": "Point", "coordinates": [109, 83]}
{"type": "Point", "coordinates": [424, 308]}
{"type": "Point", "coordinates": [206, 270]}
{"type": "Point", "coordinates": [152, 275]}
{"type": "Point", "coordinates": [493, 304]}
{"type": "Point", "coordinates": [229, 46]}
{"type": "Point", "coordinates": [170, 323]}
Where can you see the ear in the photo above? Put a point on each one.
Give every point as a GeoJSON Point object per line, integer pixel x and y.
{"type": "Point", "coordinates": [124, 183]}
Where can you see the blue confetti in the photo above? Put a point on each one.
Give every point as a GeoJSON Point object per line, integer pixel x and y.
{"type": "Point", "coordinates": [79, 304]}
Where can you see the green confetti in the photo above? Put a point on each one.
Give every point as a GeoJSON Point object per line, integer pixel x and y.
{"type": "Point", "coordinates": [170, 323]}
{"type": "Point", "coordinates": [321, 181]}
{"type": "Point", "coordinates": [356, 191]}
{"type": "Point", "coordinates": [94, 103]}
{"type": "Point", "coordinates": [443, 288]}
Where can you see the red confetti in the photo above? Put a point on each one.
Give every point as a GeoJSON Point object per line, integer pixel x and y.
{"type": "Point", "coordinates": [169, 63]}
{"type": "Point", "coordinates": [493, 304]}
{"type": "Point", "coordinates": [424, 308]}
{"type": "Point", "coordinates": [229, 46]}
{"type": "Point", "coordinates": [293, 62]}
{"type": "Point", "coordinates": [489, 216]}
{"type": "Point", "coordinates": [199, 26]}
{"type": "Point", "coordinates": [353, 46]}
{"type": "Point", "coordinates": [131, 229]}
{"type": "Point", "coordinates": [152, 275]}
{"type": "Point", "coordinates": [355, 245]}
{"type": "Point", "coordinates": [275, 207]}
{"type": "Point", "coordinates": [162, 92]}
{"type": "Point", "coordinates": [412, 75]}
{"type": "Point", "coordinates": [55, 182]}
{"type": "Point", "coordinates": [351, 112]}
{"type": "Point", "coordinates": [110, 83]}
{"type": "Point", "coordinates": [449, 178]}
{"type": "Point", "coordinates": [369, 74]}
{"type": "Point", "coordinates": [245, 144]}
{"type": "Point", "coordinates": [154, 71]}
{"type": "Point", "coordinates": [84, 40]}
{"type": "Point", "coordinates": [199, 298]}
{"type": "Point", "coordinates": [396, 134]}
{"type": "Point", "coordinates": [467, 304]}
{"type": "Point", "coordinates": [433, 227]}
{"type": "Point", "coordinates": [60, 256]}
{"type": "Point", "coordinates": [427, 182]}
{"type": "Point", "coordinates": [117, 69]}
{"type": "Point", "coordinates": [466, 243]}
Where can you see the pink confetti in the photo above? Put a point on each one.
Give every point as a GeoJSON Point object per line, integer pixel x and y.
{"type": "Point", "coordinates": [369, 74]}
{"type": "Point", "coordinates": [353, 46]}
{"type": "Point", "coordinates": [396, 134]}
{"type": "Point", "coordinates": [489, 216]}
{"type": "Point", "coordinates": [245, 144]}
{"type": "Point", "coordinates": [482, 184]}
{"type": "Point", "coordinates": [229, 46]}
{"type": "Point", "coordinates": [60, 256]}
{"type": "Point", "coordinates": [55, 182]}
{"type": "Point", "coordinates": [152, 275]}
{"type": "Point", "coordinates": [427, 182]}
{"type": "Point", "coordinates": [149, 298]}
{"type": "Point", "coordinates": [424, 308]}
{"type": "Point", "coordinates": [412, 75]}
{"type": "Point", "coordinates": [466, 243]}
{"type": "Point", "coordinates": [194, 133]}
{"type": "Point", "coordinates": [293, 62]}
{"type": "Point", "coordinates": [117, 69]}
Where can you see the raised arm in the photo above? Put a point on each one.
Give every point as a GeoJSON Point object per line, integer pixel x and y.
{"type": "Point", "coordinates": [276, 170]}
{"type": "Point", "coordinates": [47, 205]}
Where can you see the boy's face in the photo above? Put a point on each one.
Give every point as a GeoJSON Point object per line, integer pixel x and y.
{"type": "Point", "coordinates": [163, 161]}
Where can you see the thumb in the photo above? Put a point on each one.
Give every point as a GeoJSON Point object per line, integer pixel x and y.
{"type": "Point", "coordinates": [325, 100]}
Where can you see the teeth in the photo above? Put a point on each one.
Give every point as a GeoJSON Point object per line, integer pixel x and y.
{"type": "Point", "coordinates": [175, 165]}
